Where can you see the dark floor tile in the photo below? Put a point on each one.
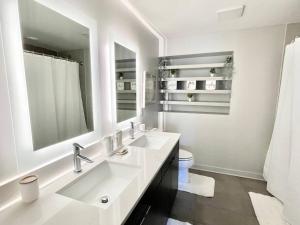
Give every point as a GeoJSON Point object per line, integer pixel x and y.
{"type": "Point", "coordinates": [252, 221]}
{"type": "Point", "coordinates": [231, 204]}
{"type": "Point", "coordinates": [183, 207]}
{"type": "Point", "coordinates": [234, 202]}
{"type": "Point", "coordinates": [208, 215]}
{"type": "Point", "coordinates": [186, 197]}
{"type": "Point", "coordinates": [182, 213]}
{"type": "Point", "coordinates": [257, 186]}
{"type": "Point", "coordinates": [205, 173]}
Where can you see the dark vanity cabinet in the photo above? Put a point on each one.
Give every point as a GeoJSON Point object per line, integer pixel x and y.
{"type": "Point", "coordinates": [155, 205]}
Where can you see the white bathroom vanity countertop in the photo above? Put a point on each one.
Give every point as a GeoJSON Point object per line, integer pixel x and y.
{"type": "Point", "coordinates": [55, 209]}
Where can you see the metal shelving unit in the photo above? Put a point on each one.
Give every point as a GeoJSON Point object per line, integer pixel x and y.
{"type": "Point", "coordinates": [200, 70]}
{"type": "Point", "coordinates": [125, 101]}
{"type": "Point", "coordinates": [195, 78]}
{"type": "Point", "coordinates": [126, 75]}
{"type": "Point", "coordinates": [126, 80]}
{"type": "Point", "coordinates": [125, 70]}
{"type": "Point", "coordinates": [218, 104]}
{"type": "Point", "coordinates": [196, 91]}
{"type": "Point", "coordinates": [193, 66]}
{"type": "Point", "coordinates": [126, 92]}
{"type": "Point", "coordinates": [197, 112]}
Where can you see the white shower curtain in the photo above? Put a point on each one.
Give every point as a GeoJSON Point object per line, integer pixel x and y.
{"type": "Point", "coordinates": [282, 166]}
{"type": "Point", "coordinates": [55, 103]}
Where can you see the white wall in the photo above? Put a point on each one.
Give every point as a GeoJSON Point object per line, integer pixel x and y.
{"type": "Point", "coordinates": [8, 163]}
{"type": "Point", "coordinates": [235, 143]}
{"type": "Point", "coordinates": [114, 23]}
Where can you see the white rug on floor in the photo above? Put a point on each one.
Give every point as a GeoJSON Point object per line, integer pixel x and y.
{"type": "Point", "coordinates": [268, 209]}
{"type": "Point", "coordinates": [199, 185]}
{"type": "Point", "coordinates": [176, 222]}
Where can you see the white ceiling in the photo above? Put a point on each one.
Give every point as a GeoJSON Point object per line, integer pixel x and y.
{"type": "Point", "coordinates": [188, 17]}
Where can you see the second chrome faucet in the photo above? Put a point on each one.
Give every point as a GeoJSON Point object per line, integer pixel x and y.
{"type": "Point", "coordinates": [131, 130]}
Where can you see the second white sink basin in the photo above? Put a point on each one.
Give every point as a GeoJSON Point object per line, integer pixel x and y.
{"type": "Point", "coordinates": [107, 179]}
{"type": "Point", "coordinates": [150, 142]}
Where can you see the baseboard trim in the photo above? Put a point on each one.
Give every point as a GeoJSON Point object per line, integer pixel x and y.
{"type": "Point", "coordinates": [232, 172]}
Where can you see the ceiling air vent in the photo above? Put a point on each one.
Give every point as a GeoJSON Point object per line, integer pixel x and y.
{"type": "Point", "coordinates": [231, 13]}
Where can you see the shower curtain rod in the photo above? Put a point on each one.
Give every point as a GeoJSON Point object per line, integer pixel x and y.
{"type": "Point", "coordinates": [53, 56]}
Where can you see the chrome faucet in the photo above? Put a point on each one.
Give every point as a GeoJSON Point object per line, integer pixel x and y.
{"type": "Point", "coordinates": [131, 131]}
{"type": "Point", "coordinates": [77, 158]}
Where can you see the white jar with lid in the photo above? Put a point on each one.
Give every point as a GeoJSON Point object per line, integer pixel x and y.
{"type": "Point", "coordinates": [29, 188]}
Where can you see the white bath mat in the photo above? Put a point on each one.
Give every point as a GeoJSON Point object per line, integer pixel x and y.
{"type": "Point", "coordinates": [268, 210]}
{"type": "Point", "coordinates": [199, 185]}
{"type": "Point", "coordinates": [176, 222]}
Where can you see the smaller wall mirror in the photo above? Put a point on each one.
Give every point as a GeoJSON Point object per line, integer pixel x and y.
{"type": "Point", "coordinates": [125, 67]}
{"type": "Point", "coordinates": [58, 74]}
{"type": "Point", "coordinates": [150, 88]}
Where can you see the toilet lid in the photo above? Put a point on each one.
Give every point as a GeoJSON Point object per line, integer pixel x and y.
{"type": "Point", "coordinates": [184, 155]}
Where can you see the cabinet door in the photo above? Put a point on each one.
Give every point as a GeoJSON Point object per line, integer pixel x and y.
{"type": "Point", "coordinates": [170, 180]}
{"type": "Point", "coordinates": [168, 191]}
{"type": "Point", "coordinates": [145, 206]}
{"type": "Point", "coordinates": [138, 214]}
{"type": "Point", "coordinates": [156, 216]}
{"type": "Point", "coordinates": [155, 206]}
{"type": "Point", "coordinates": [174, 168]}
{"type": "Point", "coordinates": [163, 197]}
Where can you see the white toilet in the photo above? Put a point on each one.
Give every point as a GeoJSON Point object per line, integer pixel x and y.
{"type": "Point", "coordinates": [186, 161]}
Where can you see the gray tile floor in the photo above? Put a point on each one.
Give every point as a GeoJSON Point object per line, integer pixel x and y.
{"type": "Point", "coordinates": [231, 204]}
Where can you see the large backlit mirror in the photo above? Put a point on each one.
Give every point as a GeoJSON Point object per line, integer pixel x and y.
{"type": "Point", "coordinates": [58, 74]}
{"type": "Point", "coordinates": [125, 67]}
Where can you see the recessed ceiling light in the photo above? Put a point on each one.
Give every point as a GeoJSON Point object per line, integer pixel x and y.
{"type": "Point", "coordinates": [231, 13]}
{"type": "Point", "coordinates": [32, 38]}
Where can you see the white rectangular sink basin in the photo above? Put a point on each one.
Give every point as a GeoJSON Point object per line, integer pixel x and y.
{"type": "Point", "coordinates": [107, 179]}
{"type": "Point", "coordinates": [150, 142]}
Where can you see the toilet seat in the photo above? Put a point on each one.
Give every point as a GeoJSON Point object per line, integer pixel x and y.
{"type": "Point", "coordinates": [185, 155]}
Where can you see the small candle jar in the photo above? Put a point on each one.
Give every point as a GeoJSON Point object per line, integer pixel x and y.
{"type": "Point", "coordinates": [29, 188]}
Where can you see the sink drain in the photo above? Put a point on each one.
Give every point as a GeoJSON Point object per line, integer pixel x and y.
{"type": "Point", "coordinates": [104, 199]}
